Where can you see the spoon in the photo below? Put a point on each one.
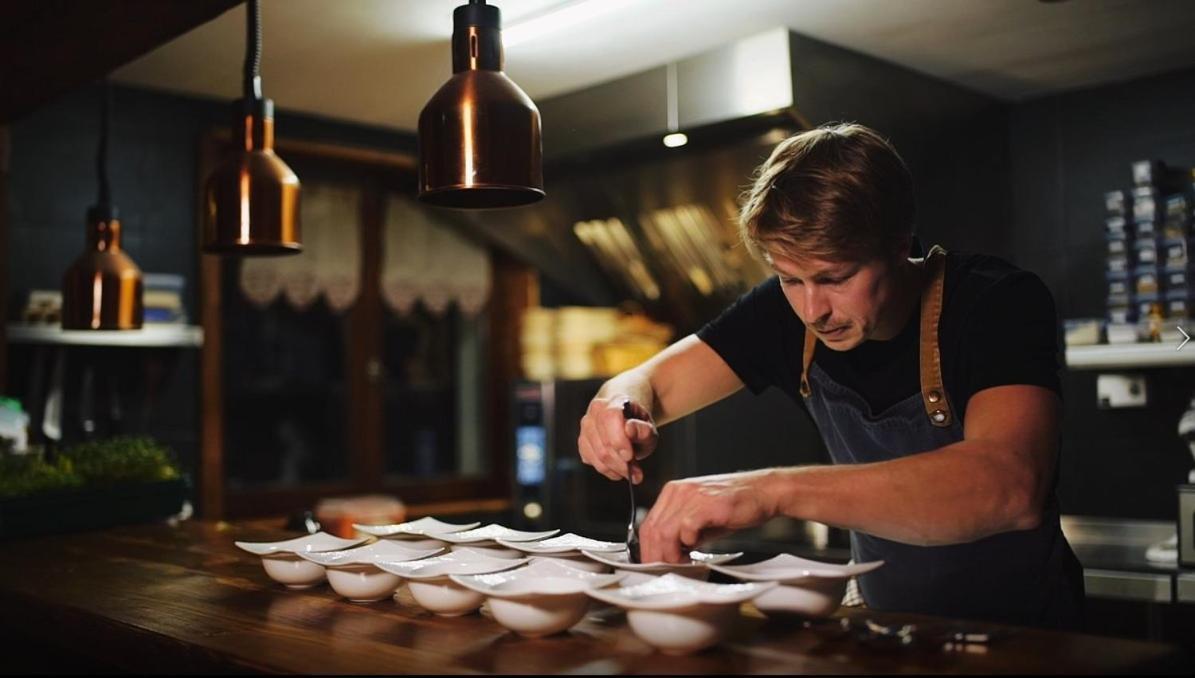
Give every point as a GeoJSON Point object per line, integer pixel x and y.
{"type": "Point", "coordinates": [632, 533]}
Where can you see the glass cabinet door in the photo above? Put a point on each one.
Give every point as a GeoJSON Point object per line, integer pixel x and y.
{"type": "Point", "coordinates": [285, 394]}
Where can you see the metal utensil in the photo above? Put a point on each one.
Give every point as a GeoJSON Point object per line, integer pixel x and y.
{"type": "Point", "coordinates": [632, 532]}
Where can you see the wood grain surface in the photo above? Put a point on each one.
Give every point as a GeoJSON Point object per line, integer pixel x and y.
{"type": "Point", "coordinates": [183, 598]}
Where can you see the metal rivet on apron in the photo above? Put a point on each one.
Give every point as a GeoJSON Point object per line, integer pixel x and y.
{"type": "Point", "coordinates": [939, 416]}
{"type": "Point", "coordinates": [934, 396]}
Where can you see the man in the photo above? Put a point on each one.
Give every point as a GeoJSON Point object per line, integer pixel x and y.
{"type": "Point", "coordinates": [933, 382]}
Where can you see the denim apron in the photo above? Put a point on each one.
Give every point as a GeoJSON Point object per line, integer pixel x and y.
{"type": "Point", "coordinates": [1024, 577]}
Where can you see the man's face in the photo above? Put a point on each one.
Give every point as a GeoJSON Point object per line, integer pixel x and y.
{"type": "Point", "coordinates": [841, 302]}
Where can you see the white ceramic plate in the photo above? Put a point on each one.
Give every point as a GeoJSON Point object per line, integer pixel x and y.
{"type": "Point", "coordinates": [793, 570]}
{"type": "Point", "coordinates": [674, 592]}
{"type": "Point", "coordinates": [578, 561]}
{"type": "Point", "coordinates": [367, 555]}
{"type": "Point", "coordinates": [697, 561]}
{"type": "Point", "coordinates": [424, 527]}
{"type": "Point", "coordinates": [540, 578]}
{"type": "Point", "coordinates": [311, 543]}
{"type": "Point", "coordinates": [455, 562]}
{"type": "Point", "coordinates": [569, 543]}
{"type": "Point", "coordinates": [491, 533]}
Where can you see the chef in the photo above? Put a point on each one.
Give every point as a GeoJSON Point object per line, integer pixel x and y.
{"type": "Point", "coordinates": [933, 380]}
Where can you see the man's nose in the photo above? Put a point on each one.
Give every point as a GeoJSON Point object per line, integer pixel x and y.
{"type": "Point", "coordinates": [817, 307]}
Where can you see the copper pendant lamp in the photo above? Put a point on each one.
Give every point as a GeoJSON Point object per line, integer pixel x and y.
{"type": "Point", "coordinates": [251, 200]}
{"type": "Point", "coordinates": [479, 135]}
{"type": "Point", "coordinates": [102, 288]}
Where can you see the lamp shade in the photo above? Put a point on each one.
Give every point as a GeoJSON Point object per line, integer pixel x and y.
{"type": "Point", "coordinates": [102, 288]}
{"type": "Point", "coordinates": [251, 200]}
{"type": "Point", "coordinates": [479, 135]}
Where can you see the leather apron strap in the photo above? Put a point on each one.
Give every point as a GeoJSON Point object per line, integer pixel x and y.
{"type": "Point", "coordinates": [933, 389]}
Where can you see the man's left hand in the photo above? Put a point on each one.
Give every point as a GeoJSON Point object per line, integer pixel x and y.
{"type": "Point", "coordinates": [694, 509]}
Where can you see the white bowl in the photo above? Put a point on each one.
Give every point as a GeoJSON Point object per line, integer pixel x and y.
{"type": "Point", "coordinates": [352, 573]}
{"type": "Point", "coordinates": [807, 587]}
{"type": "Point", "coordinates": [488, 535]}
{"type": "Point", "coordinates": [362, 583]}
{"type": "Point", "coordinates": [292, 571]}
{"type": "Point", "coordinates": [430, 586]}
{"type": "Point", "coordinates": [696, 568]}
{"type": "Point", "coordinates": [541, 599]}
{"type": "Point", "coordinates": [679, 615]}
{"type": "Point", "coordinates": [282, 563]}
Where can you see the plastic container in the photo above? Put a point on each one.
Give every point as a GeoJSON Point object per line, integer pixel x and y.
{"type": "Point", "coordinates": [1117, 226]}
{"type": "Point", "coordinates": [1083, 331]}
{"type": "Point", "coordinates": [1116, 204]}
{"type": "Point", "coordinates": [1146, 251]}
{"type": "Point", "coordinates": [1146, 211]}
{"type": "Point", "coordinates": [1176, 252]}
{"type": "Point", "coordinates": [1147, 280]}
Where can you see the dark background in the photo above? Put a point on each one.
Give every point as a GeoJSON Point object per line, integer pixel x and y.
{"type": "Point", "coordinates": [1061, 154]}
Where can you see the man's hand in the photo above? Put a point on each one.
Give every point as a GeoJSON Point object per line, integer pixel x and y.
{"type": "Point", "coordinates": [611, 443]}
{"type": "Point", "coordinates": [694, 509]}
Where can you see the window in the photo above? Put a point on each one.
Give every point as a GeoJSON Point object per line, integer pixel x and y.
{"type": "Point", "coordinates": [370, 363]}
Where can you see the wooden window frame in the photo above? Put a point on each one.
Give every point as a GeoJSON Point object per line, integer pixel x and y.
{"type": "Point", "coordinates": [513, 289]}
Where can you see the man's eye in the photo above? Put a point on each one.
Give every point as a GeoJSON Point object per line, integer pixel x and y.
{"type": "Point", "coordinates": [790, 281]}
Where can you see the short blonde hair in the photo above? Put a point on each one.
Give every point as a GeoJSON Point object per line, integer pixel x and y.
{"type": "Point", "coordinates": [838, 192]}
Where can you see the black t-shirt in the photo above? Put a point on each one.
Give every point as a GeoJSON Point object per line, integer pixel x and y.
{"type": "Point", "coordinates": [998, 327]}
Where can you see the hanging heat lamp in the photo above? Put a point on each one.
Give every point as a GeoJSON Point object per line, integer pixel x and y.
{"type": "Point", "coordinates": [479, 135]}
{"type": "Point", "coordinates": [102, 288]}
{"type": "Point", "coordinates": [251, 201]}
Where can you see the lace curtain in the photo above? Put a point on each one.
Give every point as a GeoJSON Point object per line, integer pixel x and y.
{"type": "Point", "coordinates": [423, 258]}
{"type": "Point", "coordinates": [426, 260]}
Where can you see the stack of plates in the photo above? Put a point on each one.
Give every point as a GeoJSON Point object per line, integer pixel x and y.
{"type": "Point", "coordinates": [578, 331]}
{"type": "Point", "coordinates": [538, 338]}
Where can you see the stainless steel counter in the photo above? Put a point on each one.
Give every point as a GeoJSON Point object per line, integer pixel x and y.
{"type": "Point", "coordinates": [1112, 552]}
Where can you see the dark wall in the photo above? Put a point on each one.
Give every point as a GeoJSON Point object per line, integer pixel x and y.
{"type": "Point", "coordinates": [1067, 150]}
{"type": "Point", "coordinates": [153, 165]}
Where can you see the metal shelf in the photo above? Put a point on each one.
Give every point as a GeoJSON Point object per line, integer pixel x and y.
{"type": "Point", "coordinates": [149, 336]}
{"type": "Point", "coordinates": [1113, 356]}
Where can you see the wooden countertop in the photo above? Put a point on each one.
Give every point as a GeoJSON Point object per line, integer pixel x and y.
{"type": "Point", "coordinates": [183, 599]}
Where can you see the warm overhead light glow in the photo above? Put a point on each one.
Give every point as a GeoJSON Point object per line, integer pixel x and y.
{"type": "Point", "coordinates": [559, 18]}
{"type": "Point", "coordinates": [467, 145]}
{"type": "Point", "coordinates": [675, 139]}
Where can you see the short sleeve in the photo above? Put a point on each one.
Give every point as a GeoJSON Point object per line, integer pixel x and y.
{"type": "Point", "coordinates": [1011, 337]}
{"type": "Point", "coordinates": [750, 335]}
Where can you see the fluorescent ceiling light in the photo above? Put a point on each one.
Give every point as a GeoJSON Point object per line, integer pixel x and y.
{"type": "Point", "coordinates": [557, 19]}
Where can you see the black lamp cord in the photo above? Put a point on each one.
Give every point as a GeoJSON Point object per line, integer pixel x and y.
{"type": "Point", "coordinates": [253, 51]}
{"type": "Point", "coordinates": [101, 157]}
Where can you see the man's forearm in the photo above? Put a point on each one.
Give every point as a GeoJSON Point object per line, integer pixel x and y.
{"type": "Point", "coordinates": [959, 493]}
{"type": "Point", "coordinates": [635, 384]}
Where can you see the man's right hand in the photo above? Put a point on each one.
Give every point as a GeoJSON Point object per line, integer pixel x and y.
{"type": "Point", "coordinates": [611, 443]}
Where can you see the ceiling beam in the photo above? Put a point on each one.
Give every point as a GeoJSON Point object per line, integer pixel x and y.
{"type": "Point", "coordinates": [49, 47]}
